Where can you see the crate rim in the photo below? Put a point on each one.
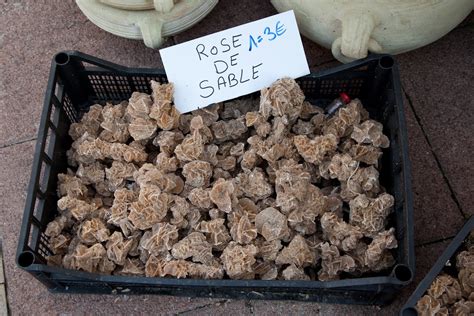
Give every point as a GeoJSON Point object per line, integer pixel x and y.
{"type": "Point", "coordinates": [104, 66]}
{"type": "Point", "coordinates": [141, 280]}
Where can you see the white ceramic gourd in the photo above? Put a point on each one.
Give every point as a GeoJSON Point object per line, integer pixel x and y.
{"type": "Point", "coordinates": [352, 28]}
{"type": "Point", "coordinates": [147, 20]}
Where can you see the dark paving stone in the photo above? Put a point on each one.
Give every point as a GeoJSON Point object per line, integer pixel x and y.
{"type": "Point", "coordinates": [440, 84]}
{"type": "Point", "coordinates": [317, 55]}
{"type": "Point", "coordinates": [468, 21]}
{"type": "Point", "coordinates": [270, 308]}
{"type": "Point", "coordinates": [29, 37]}
{"type": "Point", "coordinates": [228, 307]}
{"type": "Point", "coordinates": [436, 214]}
{"type": "Point", "coordinates": [325, 65]}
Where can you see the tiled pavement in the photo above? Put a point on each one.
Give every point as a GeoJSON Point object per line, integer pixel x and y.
{"type": "Point", "coordinates": [438, 86]}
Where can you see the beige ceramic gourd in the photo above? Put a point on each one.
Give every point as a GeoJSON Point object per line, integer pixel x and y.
{"type": "Point", "coordinates": [147, 20]}
{"type": "Point", "coordinates": [352, 28]}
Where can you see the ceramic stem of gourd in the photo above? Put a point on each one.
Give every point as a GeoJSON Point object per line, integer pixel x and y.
{"type": "Point", "coordinates": [356, 31]}
{"type": "Point", "coordinates": [151, 32]}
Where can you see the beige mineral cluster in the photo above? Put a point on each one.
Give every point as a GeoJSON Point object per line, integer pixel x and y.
{"type": "Point", "coordinates": [452, 294]}
{"type": "Point", "coordinates": [267, 188]}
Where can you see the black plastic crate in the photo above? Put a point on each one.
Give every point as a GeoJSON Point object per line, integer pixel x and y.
{"type": "Point", "coordinates": [449, 255]}
{"type": "Point", "coordinates": [78, 80]}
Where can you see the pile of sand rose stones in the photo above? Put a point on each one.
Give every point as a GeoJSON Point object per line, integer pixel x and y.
{"type": "Point", "coordinates": [248, 189]}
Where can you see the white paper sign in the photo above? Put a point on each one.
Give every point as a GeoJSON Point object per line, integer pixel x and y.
{"type": "Point", "coordinates": [235, 62]}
